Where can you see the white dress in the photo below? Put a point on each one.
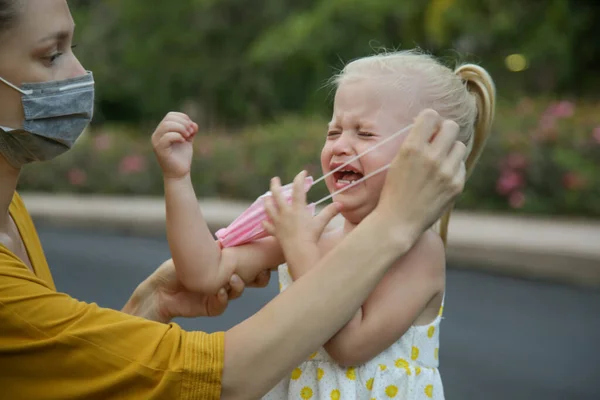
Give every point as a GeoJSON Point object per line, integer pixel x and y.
{"type": "Point", "coordinates": [406, 370]}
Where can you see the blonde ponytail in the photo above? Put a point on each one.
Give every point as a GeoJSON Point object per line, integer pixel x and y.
{"type": "Point", "coordinates": [481, 86]}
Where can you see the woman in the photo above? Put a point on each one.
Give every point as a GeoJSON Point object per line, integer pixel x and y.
{"type": "Point", "coordinates": [55, 347]}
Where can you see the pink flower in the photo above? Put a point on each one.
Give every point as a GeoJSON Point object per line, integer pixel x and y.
{"type": "Point", "coordinates": [132, 164]}
{"type": "Point", "coordinates": [546, 130]}
{"type": "Point", "coordinates": [562, 109]}
{"type": "Point", "coordinates": [596, 134]}
{"type": "Point", "coordinates": [573, 181]}
{"type": "Point", "coordinates": [516, 200]}
{"type": "Point", "coordinates": [76, 176]}
{"type": "Point", "coordinates": [102, 142]}
{"type": "Point", "coordinates": [515, 161]}
{"type": "Point", "coordinates": [509, 181]}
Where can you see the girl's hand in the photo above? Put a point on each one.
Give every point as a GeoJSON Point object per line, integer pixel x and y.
{"type": "Point", "coordinates": [293, 223]}
{"type": "Point", "coordinates": [172, 143]}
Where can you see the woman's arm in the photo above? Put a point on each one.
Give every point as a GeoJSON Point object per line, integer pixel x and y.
{"type": "Point", "coordinates": [264, 348]}
{"type": "Point", "coordinates": [55, 347]}
{"type": "Point", "coordinates": [394, 305]}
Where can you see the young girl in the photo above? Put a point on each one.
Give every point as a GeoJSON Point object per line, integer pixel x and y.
{"type": "Point", "coordinates": [390, 348]}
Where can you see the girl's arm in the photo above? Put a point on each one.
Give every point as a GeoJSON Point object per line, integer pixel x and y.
{"type": "Point", "coordinates": [394, 305]}
{"type": "Point", "coordinates": [200, 262]}
{"type": "Point", "coordinates": [201, 265]}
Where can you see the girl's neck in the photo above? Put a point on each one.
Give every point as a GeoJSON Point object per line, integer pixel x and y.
{"type": "Point", "coordinates": [9, 176]}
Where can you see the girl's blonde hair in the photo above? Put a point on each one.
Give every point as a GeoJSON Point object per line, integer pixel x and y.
{"type": "Point", "coordinates": [466, 95]}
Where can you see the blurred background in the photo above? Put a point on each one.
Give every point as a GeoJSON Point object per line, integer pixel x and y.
{"type": "Point", "coordinates": [254, 73]}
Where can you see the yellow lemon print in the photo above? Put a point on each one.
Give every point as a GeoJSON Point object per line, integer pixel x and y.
{"type": "Point", "coordinates": [320, 374]}
{"type": "Point", "coordinates": [391, 391]}
{"type": "Point", "coordinates": [313, 355]}
{"type": "Point", "coordinates": [436, 353]}
{"type": "Point", "coordinates": [306, 393]}
{"type": "Point", "coordinates": [280, 286]}
{"type": "Point", "coordinates": [401, 363]}
{"type": "Point", "coordinates": [429, 391]}
{"type": "Point", "coordinates": [418, 370]}
{"type": "Point", "coordinates": [415, 353]}
{"type": "Point", "coordinates": [351, 374]}
{"type": "Point", "coordinates": [441, 311]}
{"type": "Point", "coordinates": [335, 394]}
{"type": "Point", "coordinates": [296, 374]}
{"type": "Point", "coordinates": [370, 384]}
{"type": "Point", "coordinates": [431, 331]}
{"type": "Point", "coordinates": [382, 367]}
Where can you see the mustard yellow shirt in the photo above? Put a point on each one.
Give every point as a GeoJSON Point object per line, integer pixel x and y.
{"type": "Point", "coordinates": [55, 347]}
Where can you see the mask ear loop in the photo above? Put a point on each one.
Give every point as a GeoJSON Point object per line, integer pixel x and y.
{"type": "Point", "coordinates": [16, 88]}
{"type": "Point", "coordinates": [352, 184]}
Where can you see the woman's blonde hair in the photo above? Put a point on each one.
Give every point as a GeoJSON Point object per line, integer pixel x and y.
{"type": "Point", "coordinates": [466, 95]}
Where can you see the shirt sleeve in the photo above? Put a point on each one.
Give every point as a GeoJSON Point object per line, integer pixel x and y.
{"type": "Point", "coordinates": [55, 347]}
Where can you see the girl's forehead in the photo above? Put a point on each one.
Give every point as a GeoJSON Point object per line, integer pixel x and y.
{"type": "Point", "coordinates": [375, 101]}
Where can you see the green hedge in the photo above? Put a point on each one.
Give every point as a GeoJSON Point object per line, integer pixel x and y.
{"type": "Point", "coordinates": [542, 158]}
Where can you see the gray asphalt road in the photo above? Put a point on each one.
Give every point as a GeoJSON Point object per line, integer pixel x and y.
{"type": "Point", "coordinates": [501, 338]}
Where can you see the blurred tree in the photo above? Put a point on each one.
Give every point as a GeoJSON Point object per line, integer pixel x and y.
{"type": "Point", "coordinates": [234, 62]}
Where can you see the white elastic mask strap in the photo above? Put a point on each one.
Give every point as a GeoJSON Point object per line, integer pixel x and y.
{"type": "Point", "coordinates": [15, 87]}
{"type": "Point", "coordinates": [385, 167]}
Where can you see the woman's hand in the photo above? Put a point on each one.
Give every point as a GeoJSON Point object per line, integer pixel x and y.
{"type": "Point", "coordinates": [162, 297]}
{"type": "Point", "coordinates": [425, 177]}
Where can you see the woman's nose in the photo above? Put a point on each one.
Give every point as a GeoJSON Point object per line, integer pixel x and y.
{"type": "Point", "coordinates": [77, 69]}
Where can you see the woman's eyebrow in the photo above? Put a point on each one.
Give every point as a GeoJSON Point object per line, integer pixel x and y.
{"type": "Point", "coordinates": [58, 35]}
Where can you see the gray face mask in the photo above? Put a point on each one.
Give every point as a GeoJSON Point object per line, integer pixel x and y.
{"type": "Point", "coordinates": [56, 114]}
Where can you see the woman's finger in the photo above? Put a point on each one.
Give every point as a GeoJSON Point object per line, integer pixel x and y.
{"type": "Point", "coordinates": [426, 125]}
{"type": "Point", "coordinates": [217, 304]}
{"type": "Point", "coordinates": [456, 156]}
{"type": "Point", "coordinates": [237, 287]}
{"type": "Point", "coordinates": [445, 138]}
{"type": "Point", "coordinates": [262, 280]}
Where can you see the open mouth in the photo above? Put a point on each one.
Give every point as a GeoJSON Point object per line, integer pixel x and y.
{"type": "Point", "coordinates": [346, 176]}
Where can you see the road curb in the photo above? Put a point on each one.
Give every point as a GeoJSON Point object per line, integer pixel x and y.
{"type": "Point", "coordinates": [563, 251]}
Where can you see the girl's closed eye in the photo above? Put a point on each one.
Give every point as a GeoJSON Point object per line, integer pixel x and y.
{"type": "Point", "coordinates": [366, 134]}
{"type": "Point", "coordinates": [332, 134]}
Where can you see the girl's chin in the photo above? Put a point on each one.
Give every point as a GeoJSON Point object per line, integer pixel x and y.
{"type": "Point", "coordinates": [353, 210]}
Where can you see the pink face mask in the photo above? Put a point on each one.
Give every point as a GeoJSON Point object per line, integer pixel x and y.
{"type": "Point", "coordinates": [248, 226]}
